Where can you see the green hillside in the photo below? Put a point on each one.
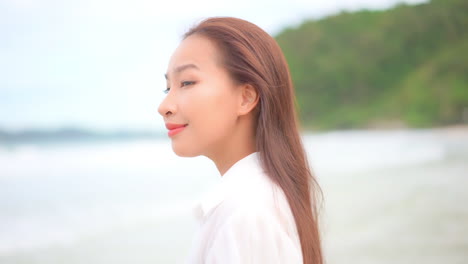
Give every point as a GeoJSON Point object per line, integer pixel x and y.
{"type": "Point", "coordinates": [407, 65]}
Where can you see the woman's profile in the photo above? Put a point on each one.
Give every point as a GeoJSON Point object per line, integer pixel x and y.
{"type": "Point", "coordinates": [230, 98]}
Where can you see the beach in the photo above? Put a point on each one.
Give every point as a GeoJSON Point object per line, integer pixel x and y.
{"type": "Point", "coordinates": [390, 196]}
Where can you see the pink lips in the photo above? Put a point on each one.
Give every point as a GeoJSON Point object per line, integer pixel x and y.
{"type": "Point", "coordinates": [174, 128]}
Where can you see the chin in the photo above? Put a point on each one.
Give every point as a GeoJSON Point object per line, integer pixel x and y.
{"type": "Point", "coordinates": [184, 151]}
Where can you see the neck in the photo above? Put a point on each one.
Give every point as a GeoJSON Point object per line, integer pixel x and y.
{"type": "Point", "coordinates": [225, 163]}
{"type": "Point", "coordinates": [238, 145]}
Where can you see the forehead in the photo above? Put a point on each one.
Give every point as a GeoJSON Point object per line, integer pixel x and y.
{"type": "Point", "coordinates": [195, 49]}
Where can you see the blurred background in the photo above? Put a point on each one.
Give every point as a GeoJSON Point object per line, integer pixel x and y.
{"type": "Point", "coordinates": [87, 174]}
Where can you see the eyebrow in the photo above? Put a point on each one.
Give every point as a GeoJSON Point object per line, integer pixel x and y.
{"type": "Point", "coordinates": [181, 68]}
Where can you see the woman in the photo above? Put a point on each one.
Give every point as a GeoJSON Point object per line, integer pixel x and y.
{"type": "Point", "coordinates": [230, 98]}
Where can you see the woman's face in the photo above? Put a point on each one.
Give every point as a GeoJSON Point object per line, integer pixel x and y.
{"type": "Point", "coordinates": [200, 109]}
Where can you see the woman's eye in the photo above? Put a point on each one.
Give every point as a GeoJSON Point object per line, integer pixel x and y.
{"type": "Point", "coordinates": [182, 84]}
{"type": "Point", "coordinates": [185, 83]}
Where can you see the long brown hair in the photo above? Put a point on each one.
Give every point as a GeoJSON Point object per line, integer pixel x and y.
{"type": "Point", "coordinates": [252, 56]}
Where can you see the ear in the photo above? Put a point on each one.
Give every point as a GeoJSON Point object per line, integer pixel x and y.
{"type": "Point", "coordinates": [248, 99]}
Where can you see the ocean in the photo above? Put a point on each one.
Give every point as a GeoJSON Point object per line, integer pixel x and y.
{"type": "Point", "coordinates": [398, 196]}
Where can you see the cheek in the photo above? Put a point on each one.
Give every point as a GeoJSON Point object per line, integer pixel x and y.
{"type": "Point", "coordinates": [215, 110]}
{"type": "Point", "coordinates": [211, 113]}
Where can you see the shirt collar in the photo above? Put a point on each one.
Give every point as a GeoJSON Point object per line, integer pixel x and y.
{"type": "Point", "coordinates": [234, 176]}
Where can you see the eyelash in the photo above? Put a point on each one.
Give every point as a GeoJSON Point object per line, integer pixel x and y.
{"type": "Point", "coordinates": [182, 84]}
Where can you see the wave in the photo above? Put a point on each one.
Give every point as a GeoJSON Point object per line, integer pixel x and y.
{"type": "Point", "coordinates": [70, 225]}
{"type": "Point", "coordinates": [61, 194]}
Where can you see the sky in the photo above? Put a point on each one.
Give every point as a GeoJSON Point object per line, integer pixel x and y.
{"type": "Point", "coordinates": [100, 64]}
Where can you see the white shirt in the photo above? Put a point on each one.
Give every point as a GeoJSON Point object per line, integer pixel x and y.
{"type": "Point", "coordinates": [245, 219]}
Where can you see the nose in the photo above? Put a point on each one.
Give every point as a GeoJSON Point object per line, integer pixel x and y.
{"type": "Point", "coordinates": [167, 106]}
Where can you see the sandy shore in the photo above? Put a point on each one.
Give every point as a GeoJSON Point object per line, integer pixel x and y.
{"type": "Point", "coordinates": [459, 131]}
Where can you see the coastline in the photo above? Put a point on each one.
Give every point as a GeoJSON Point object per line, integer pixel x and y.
{"type": "Point", "coordinates": [458, 129]}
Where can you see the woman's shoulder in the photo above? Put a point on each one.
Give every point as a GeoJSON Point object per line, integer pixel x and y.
{"type": "Point", "coordinates": [261, 198]}
{"type": "Point", "coordinates": [247, 209]}
{"type": "Point", "coordinates": [247, 193]}
{"type": "Point", "coordinates": [261, 214]}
